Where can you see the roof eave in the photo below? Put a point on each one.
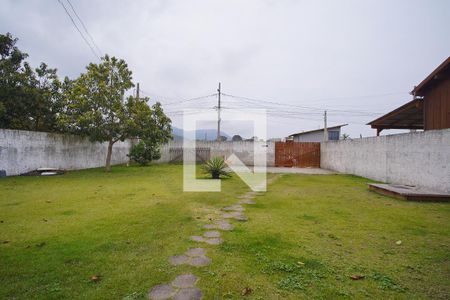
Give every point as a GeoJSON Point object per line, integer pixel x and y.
{"type": "Point", "coordinates": [398, 109]}
{"type": "Point", "coordinates": [417, 89]}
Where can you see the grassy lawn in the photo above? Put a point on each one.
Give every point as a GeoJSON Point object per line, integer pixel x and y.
{"type": "Point", "coordinates": [304, 239]}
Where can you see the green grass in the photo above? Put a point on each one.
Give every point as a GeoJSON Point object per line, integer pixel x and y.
{"type": "Point", "coordinates": [304, 239]}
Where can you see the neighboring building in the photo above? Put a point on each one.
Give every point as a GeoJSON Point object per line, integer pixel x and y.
{"type": "Point", "coordinates": [334, 134]}
{"type": "Point", "coordinates": [274, 140]}
{"type": "Point", "coordinates": [430, 108]}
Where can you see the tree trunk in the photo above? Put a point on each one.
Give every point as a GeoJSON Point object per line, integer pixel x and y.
{"type": "Point", "coordinates": [108, 156]}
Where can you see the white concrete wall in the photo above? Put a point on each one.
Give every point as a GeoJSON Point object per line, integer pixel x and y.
{"type": "Point", "coordinates": [243, 150]}
{"type": "Point", "coordinates": [23, 151]}
{"type": "Point", "coordinates": [419, 158]}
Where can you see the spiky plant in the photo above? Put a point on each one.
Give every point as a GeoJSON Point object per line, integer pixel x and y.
{"type": "Point", "coordinates": [216, 167]}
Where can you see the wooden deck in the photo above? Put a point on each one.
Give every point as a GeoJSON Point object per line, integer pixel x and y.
{"type": "Point", "coordinates": [410, 193]}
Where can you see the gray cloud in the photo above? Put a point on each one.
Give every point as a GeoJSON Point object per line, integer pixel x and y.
{"type": "Point", "coordinates": [314, 53]}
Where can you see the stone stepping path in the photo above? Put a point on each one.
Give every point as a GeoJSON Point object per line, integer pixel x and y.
{"type": "Point", "coordinates": [219, 224]}
{"type": "Point", "coordinates": [211, 234]}
{"type": "Point", "coordinates": [246, 196]}
{"type": "Point", "coordinates": [236, 207]}
{"type": "Point", "coordinates": [194, 257]}
{"type": "Point", "coordinates": [181, 288]}
{"type": "Point", "coordinates": [237, 215]}
{"type": "Point", "coordinates": [247, 201]}
{"type": "Point", "coordinates": [211, 241]}
{"type": "Point", "coordinates": [209, 237]}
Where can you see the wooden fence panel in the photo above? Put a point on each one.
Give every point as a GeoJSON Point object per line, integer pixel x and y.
{"type": "Point", "coordinates": [201, 155]}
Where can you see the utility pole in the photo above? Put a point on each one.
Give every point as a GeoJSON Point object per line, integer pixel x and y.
{"type": "Point", "coordinates": [137, 91]}
{"type": "Point", "coordinates": [218, 113]}
{"type": "Point", "coordinates": [325, 128]}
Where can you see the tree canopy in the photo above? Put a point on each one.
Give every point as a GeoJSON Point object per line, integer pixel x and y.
{"type": "Point", "coordinates": [96, 106]}
{"type": "Point", "coordinates": [236, 138]}
{"type": "Point", "coordinates": [30, 99]}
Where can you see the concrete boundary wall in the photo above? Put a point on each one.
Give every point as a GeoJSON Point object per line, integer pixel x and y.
{"type": "Point", "coordinates": [419, 158]}
{"type": "Point", "coordinates": [243, 150]}
{"type": "Point", "coordinates": [22, 151]}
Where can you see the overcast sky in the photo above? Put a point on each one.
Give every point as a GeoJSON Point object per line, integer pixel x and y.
{"type": "Point", "coordinates": [354, 58]}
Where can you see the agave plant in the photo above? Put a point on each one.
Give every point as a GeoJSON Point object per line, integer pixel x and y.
{"type": "Point", "coordinates": [216, 167]}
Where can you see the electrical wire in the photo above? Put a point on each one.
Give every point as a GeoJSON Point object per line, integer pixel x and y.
{"type": "Point", "coordinates": [84, 27]}
{"type": "Point", "coordinates": [78, 29]}
{"type": "Point", "coordinates": [187, 100]}
{"type": "Point", "coordinates": [295, 106]}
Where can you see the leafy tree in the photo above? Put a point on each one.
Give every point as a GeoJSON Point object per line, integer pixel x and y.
{"type": "Point", "coordinates": [96, 107]}
{"type": "Point", "coordinates": [153, 127]}
{"type": "Point", "coordinates": [28, 97]}
{"type": "Point", "coordinates": [12, 81]}
{"type": "Point", "coordinates": [236, 138]}
{"type": "Point", "coordinates": [46, 98]}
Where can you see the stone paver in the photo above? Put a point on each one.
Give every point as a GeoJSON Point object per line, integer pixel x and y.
{"type": "Point", "coordinates": [211, 234]}
{"type": "Point", "coordinates": [224, 225]}
{"type": "Point", "coordinates": [197, 238]}
{"type": "Point", "coordinates": [194, 257]}
{"type": "Point", "coordinates": [199, 261]}
{"type": "Point", "coordinates": [247, 201]}
{"type": "Point", "coordinates": [184, 281]}
{"type": "Point", "coordinates": [236, 207]}
{"type": "Point", "coordinates": [178, 260]}
{"type": "Point", "coordinates": [246, 197]}
{"type": "Point", "coordinates": [162, 291]}
{"type": "Point", "coordinates": [214, 241]}
{"type": "Point", "coordinates": [220, 224]}
{"type": "Point", "coordinates": [210, 226]}
{"type": "Point", "coordinates": [239, 216]}
{"type": "Point", "coordinates": [188, 294]}
{"type": "Point", "coordinates": [195, 252]}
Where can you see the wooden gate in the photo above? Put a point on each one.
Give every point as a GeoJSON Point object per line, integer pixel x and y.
{"type": "Point", "coordinates": [297, 154]}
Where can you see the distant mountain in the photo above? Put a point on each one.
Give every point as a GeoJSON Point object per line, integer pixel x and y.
{"type": "Point", "coordinates": [200, 134]}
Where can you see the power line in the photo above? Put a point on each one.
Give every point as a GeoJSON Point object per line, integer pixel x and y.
{"type": "Point", "coordinates": [78, 29]}
{"type": "Point", "coordinates": [187, 100]}
{"type": "Point", "coordinates": [274, 110]}
{"type": "Point", "coordinates": [296, 106]}
{"type": "Point", "coordinates": [360, 97]}
{"type": "Point", "coordinates": [271, 110]}
{"type": "Point", "coordinates": [84, 27]}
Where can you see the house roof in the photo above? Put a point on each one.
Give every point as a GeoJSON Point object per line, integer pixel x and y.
{"type": "Point", "coordinates": [435, 76]}
{"type": "Point", "coordinates": [320, 129]}
{"type": "Point", "coordinates": [410, 115]}
{"type": "Point", "coordinates": [407, 116]}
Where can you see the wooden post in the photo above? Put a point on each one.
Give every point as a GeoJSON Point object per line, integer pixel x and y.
{"type": "Point", "coordinates": [137, 91]}
{"type": "Point", "coordinates": [218, 114]}
{"type": "Point", "coordinates": [325, 128]}
{"type": "Point", "coordinates": [379, 131]}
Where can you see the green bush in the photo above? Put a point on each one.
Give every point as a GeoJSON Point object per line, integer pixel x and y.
{"type": "Point", "coordinates": [216, 167]}
{"type": "Point", "coordinates": [144, 152]}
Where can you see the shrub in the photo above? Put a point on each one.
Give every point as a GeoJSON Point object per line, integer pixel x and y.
{"type": "Point", "coordinates": [216, 167]}
{"type": "Point", "coordinates": [144, 152]}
